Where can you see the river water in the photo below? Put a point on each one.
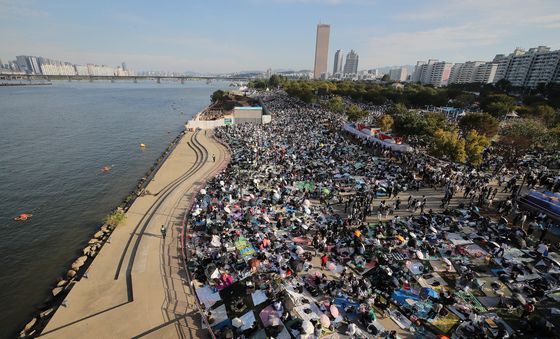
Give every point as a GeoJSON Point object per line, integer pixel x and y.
{"type": "Point", "coordinates": [54, 140]}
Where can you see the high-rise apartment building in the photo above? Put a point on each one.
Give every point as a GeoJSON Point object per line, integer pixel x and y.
{"type": "Point", "coordinates": [485, 73]}
{"type": "Point", "coordinates": [528, 68]}
{"type": "Point", "coordinates": [321, 51]}
{"type": "Point", "coordinates": [433, 72]}
{"type": "Point", "coordinates": [338, 62]}
{"type": "Point", "coordinates": [398, 74]}
{"type": "Point", "coordinates": [351, 65]}
{"type": "Point", "coordinates": [473, 71]}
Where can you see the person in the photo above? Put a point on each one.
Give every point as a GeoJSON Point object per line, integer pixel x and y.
{"type": "Point", "coordinates": [163, 231]}
{"type": "Point", "coordinates": [324, 260]}
{"type": "Point", "coordinates": [214, 157]}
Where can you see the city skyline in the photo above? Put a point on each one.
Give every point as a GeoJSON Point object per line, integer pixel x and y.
{"type": "Point", "coordinates": [215, 37]}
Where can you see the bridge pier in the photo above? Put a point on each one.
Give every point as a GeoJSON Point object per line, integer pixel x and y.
{"type": "Point", "coordinates": [69, 79]}
{"type": "Point", "coordinates": [159, 80]}
{"type": "Point", "coordinates": [112, 80]}
{"type": "Point", "coordinates": [135, 80]}
{"type": "Point", "coordinates": [90, 79]}
{"type": "Point", "coordinates": [182, 81]}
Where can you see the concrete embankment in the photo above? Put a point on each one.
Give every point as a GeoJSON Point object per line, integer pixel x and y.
{"type": "Point", "coordinates": [136, 285]}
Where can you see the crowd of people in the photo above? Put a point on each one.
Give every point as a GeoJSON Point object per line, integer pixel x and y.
{"type": "Point", "coordinates": [312, 232]}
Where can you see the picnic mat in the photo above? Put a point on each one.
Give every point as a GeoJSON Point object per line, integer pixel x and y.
{"type": "Point", "coordinates": [489, 291]}
{"type": "Point", "coordinates": [445, 323]}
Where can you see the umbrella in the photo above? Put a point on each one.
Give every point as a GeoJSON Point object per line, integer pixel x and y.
{"type": "Point", "coordinates": [307, 327]}
{"type": "Point", "coordinates": [203, 191]}
{"type": "Point", "coordinates": [420, 255]}
{"type": "Point", "coordinates": [236, 322]}
{"type": "Point", "coordinates": [334, 311]}
{"type": "Point", "coordinates": [325, 321]}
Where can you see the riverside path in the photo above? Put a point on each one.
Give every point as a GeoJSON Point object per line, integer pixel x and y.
{"type": "Point", "coordinates": [136, 287]}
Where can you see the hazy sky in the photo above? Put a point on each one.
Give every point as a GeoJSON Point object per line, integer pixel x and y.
{"type": "Point", "coordinates": [234, 35]}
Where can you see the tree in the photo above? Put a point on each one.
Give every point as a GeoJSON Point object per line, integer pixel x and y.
{"type": "Point", "coordinates": [498, 104]}
{"type": "Point", "coordinates": [546, 114]}
{"type": "Point", "coordinates": [464, 100]}
{"type": "Point", "coordinates": [397, 109]}
{"type": "Point", "coordinates": [386, 78]}
{"type": "Point", "coordinates": [355, 113]}
{"type": "Point", "coordinates": [435, 121]}
{"type": "Point", "coordinates": [409, 123]}
{"type": "Point", "coordinates": [474, 145]}
{"type": "Point", "coordinates": [522, 134]}
{"type": "Point", "coordinates": [217, 96]}
{"type": "Point", "coordinates": [483, 123]}
{"type": "Point", "coordinates": [449, 145]}
{"type": "Point", "coordinates": [336, 104]}
{"type": "Point", "coordinates": [275, 80]}
{"type": "Point", "coordinates": [385, 122]}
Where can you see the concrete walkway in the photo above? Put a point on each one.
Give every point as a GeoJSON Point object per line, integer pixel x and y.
{"type": "Point", "coordinates": [136, 286]}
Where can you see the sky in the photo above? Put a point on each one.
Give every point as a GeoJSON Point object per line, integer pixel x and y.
{"type": "Point", "coordinates": [239, 35]}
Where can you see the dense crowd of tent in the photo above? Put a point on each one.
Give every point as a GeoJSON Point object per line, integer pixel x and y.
{"type": "Point", "coordinates": [311, 232]}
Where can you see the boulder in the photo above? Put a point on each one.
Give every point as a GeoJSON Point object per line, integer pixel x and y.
{"type": "Point", "coordinates": [71, 274]}
{"type": "Point", "coordinates": [79, 263]}
{"type": "Point", "coordinates": [86, 250]}
{"type": "Point", "coordinates": [56, 291]}
{"type": "Point", "coordinates": [61, 283]}
{"type": "Point", "coordinates": [98, 235]}
{"type": "Point", "coordinates": [93, 241]}
{"type": "Point", "coordinates": [29, 325]}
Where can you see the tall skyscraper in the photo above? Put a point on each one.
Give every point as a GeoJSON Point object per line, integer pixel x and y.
{"type": "Point", "coordinates": [351, 65]}
{"type": "Point", "coordinates": [338, 62]}
{"type": "Point", "coordinates": [124, 66]}
{"type": "Point", "coordinates": [321, 51]}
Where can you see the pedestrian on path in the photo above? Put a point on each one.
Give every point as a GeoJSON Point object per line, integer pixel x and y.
{"type": "Point", "coordinates": [213, 157]}
{"type": "Point", "coordinates": [163, 231]}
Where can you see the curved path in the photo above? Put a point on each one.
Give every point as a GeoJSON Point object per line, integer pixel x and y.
{"type": "Point", "coordinates": [136, 286]}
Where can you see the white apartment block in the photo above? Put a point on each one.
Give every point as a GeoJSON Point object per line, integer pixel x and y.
{"type": "Point", "coordinates": [528, 68]}
{"type": "Point", "coordinates": [57, 69]}
{"type": "Point", "coordinates": [398, 74]}
{"type": "Point", "coordinates": [473, 71]}
{"type": "Point", "coordinates": [433, 72]}
{"type": "Point", "coordinates": [485, 73]}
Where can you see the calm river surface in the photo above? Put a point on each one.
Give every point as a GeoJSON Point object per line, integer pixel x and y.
{"type": "Point", "coordinates": [54, 140]}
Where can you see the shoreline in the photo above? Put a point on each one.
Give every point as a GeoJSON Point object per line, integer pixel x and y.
{"type": "Point", "coordinates": [66, 281]}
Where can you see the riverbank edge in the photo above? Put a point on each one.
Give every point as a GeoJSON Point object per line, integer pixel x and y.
{"type": "Point", "coordinates": [63, 286]}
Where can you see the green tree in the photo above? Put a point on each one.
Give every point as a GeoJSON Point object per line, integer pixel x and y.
{"type": "Point", "coordinates": [355, 113]}
{"type": "Point", "coordinates": [217, 96]}
{"type": "Point", "coordinates": [435, 121]}
{"type": "Point", "coordinates": [522, 134]}
{"type": "Point", "coordinates": [386, 78]}
{"type": "Point", "coordinates": [409, 123]}
{"type": "Point", "coordinates": [448, 144]}
{"type": "Point", "coordinates": [483, 123]}
{"type": "Point", "coordinates": [547, 115]}
{"type": "Point", "coordinates": [397, 109]}
{"type": "Point", "coordinates": [386, 122]}
{"type": "Point", "coordinates": [474, 145]}
{"type": "Point", "coordinates": [498, 104]}
{"type": "Point", "coordinates": [336, 104]}
{"type": "Point", "coordinates": [464, 100]}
